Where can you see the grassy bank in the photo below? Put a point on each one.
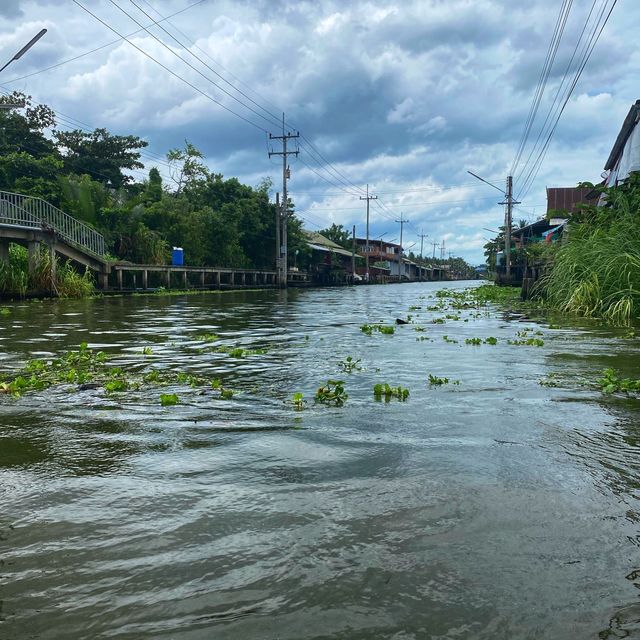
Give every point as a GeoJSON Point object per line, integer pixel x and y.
{"type": "Point", "coordinates": [596, 270]}
{"type": "Point", "coordinates": [16, 281]}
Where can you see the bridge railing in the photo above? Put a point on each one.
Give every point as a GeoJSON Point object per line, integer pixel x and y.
{"type": "Point", "coordinates": [26, 211]}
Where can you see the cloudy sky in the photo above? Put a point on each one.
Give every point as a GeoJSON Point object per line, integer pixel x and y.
{"type": "Point", "coordinates": [403, 96]}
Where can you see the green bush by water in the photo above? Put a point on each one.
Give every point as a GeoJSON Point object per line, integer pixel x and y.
{"type": "Point", "coordinates": [596, 272]}
{"type": "Point", "coordinates": [15, 279]}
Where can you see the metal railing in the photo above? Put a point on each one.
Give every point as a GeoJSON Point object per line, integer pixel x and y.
{"type": "Point", "coordinates": [36, 213]}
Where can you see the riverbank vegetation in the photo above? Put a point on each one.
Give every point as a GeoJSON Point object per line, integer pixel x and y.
{"type": "Point", "coordinates": [17, 279]}
{"type": "Point", "coordinates": [99, 178]}
{"type": "Point", "coordinates": [595, 272]}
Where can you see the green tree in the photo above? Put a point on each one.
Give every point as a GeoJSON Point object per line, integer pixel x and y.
{"type": "Point", "coordinates": [102, 155]}
{"type": "Point", "coordinates": [186, 166]}
{"type": "Point", "coordinates": [153, 189]}
{"type": "Point", "coordinates": [338, 234]}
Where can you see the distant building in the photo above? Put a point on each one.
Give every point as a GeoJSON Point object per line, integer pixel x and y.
{"type": "Point", "coordinates": [563, 201]}
{"type": "Point", "coordinates": [330, 263]}
{"type": "Point", "coordinates": [379, 250]}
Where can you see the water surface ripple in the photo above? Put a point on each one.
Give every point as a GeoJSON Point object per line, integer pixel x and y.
{"type": "Point", "coordinates": [493, 509]}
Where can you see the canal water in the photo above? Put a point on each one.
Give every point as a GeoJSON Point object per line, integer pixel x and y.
{"type": "Point", "coordinates": [496, 508]}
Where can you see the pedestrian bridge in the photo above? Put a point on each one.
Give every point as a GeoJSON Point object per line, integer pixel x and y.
{"type": "Point", "coordinates": [33, 222]}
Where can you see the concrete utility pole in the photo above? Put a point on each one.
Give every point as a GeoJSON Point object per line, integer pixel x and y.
{"type": "Point", "coordinates": [284, 207]}
{"type": "Point", "coordinates": [435, 244]}
{"type": "Point", "coordinates": [368, 198]}
{"type": "Point", "coordinates": [353, 253]}
{"type": "Point", "coordinates": [402, 222]}
{"type": "Point", "coordinates": [278, 244]}
{"type": "Point", "coordinates": [422, 236]}
{"type": "Point", "coordinates": [508, 218]}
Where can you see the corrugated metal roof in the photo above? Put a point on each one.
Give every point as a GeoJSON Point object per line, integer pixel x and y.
{"type": "Point", "coordinates": [627, 127]}
{"type": "Point", "coordinates": [566, 198]}
{"type": "Point", "coordinates": [319, 239]}
{"type": "Point", "coordinates": [336, 249]}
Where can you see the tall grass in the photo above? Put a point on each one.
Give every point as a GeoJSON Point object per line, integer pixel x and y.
{"type": "Point", "coordinates": [596, 272]}
{"type": "Point", "coordinates": [15, 279]}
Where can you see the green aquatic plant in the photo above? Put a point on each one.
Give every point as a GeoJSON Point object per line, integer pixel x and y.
{"type": "Point", "coordinates": [5, 311]}
{"type": "Point", "coordinates": [298, 401]}
{"type": "Point", "coordinates": [386, 329]}
{"type": "Point", "coordinates": [238, 352]}
{"type": "Point", "coordinates": [550, 381]}
{"type": "Point", "coordinates": [383, 390]}
{"type": "Point", "coordinates": [368, 329]}
{"type": "Point", "coordinates": [611, 382]}
{"type": "Point", "coordinates": [332, 393]}
{"type": "Point", "coordinates": [208, 337]}
{"type": "Point", "coordinates": [349, 365]}
{"type": "Point", "coordinates": [473, 341]}
{"type": "Point", "coordinates": [491, 340]}
{"type": "Point", "coordinates": [147, 351]}
{"type": "Point", "coordinates": [169, 399]}
{"type": "Point", "coordinates": [436, 381]}
{"type": "Point", "coordinates": [116, 386]}
{"type": "Point", "coordinates": [449, 340]}
{"type": "Point", "coordinates": [438, 321]}
{"type": "Point", "coordinates": [419, 329]}
{"type": "Point", "coordinates": [530, 342]}
{"type": "Point", "coordinates": [87, 368]}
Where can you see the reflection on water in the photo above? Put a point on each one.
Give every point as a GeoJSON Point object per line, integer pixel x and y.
{"type": "Point", "coordinates": [498, 508]}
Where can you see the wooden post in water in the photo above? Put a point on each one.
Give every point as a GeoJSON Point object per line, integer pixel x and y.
{"type": "Point", "coordinates": [119, 278]}
{"type": "Point", "coordinates": [145, 279]}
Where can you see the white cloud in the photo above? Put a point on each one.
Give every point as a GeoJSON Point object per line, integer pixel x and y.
{"type": "Point", "coordinates": [401, 97]}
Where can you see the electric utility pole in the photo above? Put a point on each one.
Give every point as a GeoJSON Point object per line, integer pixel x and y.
{"type": "Point", "coordinates": [435, 244]}
{"type": "Point", "coordinates": [508, 221]}
{"type": "Point", "coordinates": [281, 259]}
{"type": "Point", "coordinates": [422, 236]}
{"type": "Point", "coordinates": [508, 217]}
{"type": "Point", "coordinates": [442, 250]}
{"type": "Point", "coordinates": [278, 243]}
{"type": "Point", "coordinates": [402, 222]}
{"type": "Point", "coordinates": [353, 253]}
{"type": "Point", "coordinates": [366, 248]}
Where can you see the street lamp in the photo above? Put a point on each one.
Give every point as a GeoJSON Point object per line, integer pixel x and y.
{"type": "Point", "coordinates": [25, 48]}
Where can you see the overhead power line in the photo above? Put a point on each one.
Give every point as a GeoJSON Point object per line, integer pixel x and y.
{"type": "Point", "coordinates": [173, 73]}
{"type": "Point", "coordinates": [104, 46]}
{"type": "Point", "coordinates": [544, 76]}
{"type": "Point", "coordinates": [271, 120]}
{"type": "Point", "coordinates": [194, 44]}
{"type": "Point", "coordinates": [587, 50]}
